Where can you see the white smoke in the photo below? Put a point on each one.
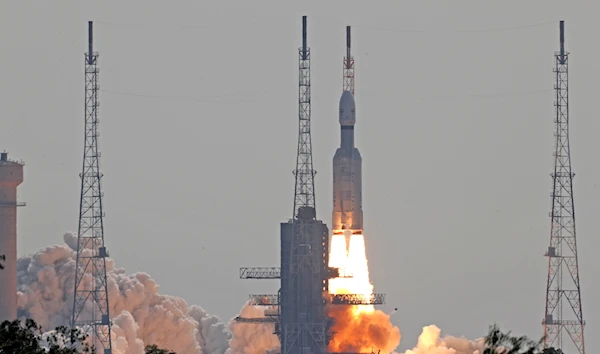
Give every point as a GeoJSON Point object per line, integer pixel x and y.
{"type": "Point", "coordinates": [252, 338]}
{"type": "Point", "coordinates": [431, 343]}
{"type": "Point", "coordinates": [140, 315]}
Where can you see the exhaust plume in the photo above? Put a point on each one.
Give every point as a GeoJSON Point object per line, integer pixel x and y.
{"type": "Point", "coordinates": [360, 328]}
{"type": "Point", "coordinates": [362, 331]}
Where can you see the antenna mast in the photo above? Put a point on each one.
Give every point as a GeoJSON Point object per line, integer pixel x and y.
{"type": "Point", "coordinates": [348, 73]}
{"type": "Point", "coordinates": [563, 292]}
{"type": "Point", "coordinates": [90, 300]}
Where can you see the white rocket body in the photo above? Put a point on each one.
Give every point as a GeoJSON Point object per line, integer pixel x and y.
{"type": "Point", "coordinates": [347, 174]}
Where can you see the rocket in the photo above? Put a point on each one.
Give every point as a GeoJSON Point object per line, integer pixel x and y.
{"type": "Point", "coordinates": [347, 174]}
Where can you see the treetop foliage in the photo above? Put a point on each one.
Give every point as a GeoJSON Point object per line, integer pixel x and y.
{"type": "Point", "coordinates": [153, 349]}
{"type": "Point", "coordinates": [28, 338]}
{"type": "Point", "coordinates": [497, 342]}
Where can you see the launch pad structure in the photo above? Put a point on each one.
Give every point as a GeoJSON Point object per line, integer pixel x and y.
{"type": "Point", "coordinates": [298, 310]}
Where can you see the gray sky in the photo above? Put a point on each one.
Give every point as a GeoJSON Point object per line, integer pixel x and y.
{"type": "Point", "coordinates": [199, 128]}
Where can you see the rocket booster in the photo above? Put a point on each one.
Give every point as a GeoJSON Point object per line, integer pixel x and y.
{"type": "Point", "coordinates": [347, 174]}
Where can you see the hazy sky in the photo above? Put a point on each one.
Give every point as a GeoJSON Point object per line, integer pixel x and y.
{"type": "Point", "coordinates": [199, 134]}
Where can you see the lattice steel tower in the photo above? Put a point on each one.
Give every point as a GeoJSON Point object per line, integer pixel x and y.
{"type": "Point", "coordinates": [90, 303]}
{"type": "Point", "coordinates": [348, 84]}
{"type": "Point", "coordinates": [563, 291]}
{"type": "Point", "coordinates": [304, 195]}
{"type": "Point", "coordinates": [304, 241]}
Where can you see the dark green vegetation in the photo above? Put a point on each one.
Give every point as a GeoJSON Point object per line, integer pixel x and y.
{"type": "Point", "coordinates": [497, 342]}
{"type": "Point", "coordinates": [153, 349]}
{"type": "Point", "coordinates": [27, 337]}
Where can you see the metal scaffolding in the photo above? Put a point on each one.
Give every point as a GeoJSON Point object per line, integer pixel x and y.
{"type": "Point", "coordinates": [563, 290]}
{"type": "Point", "coordinates": [348, 71]}
{"type": "Point", "coordinates": [90, 303]}
{"type": "Point", "coordinates": [260, 273]}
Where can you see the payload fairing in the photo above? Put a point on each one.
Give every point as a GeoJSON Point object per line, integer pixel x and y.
{"type": "Point", "coordinates": [347, 174]}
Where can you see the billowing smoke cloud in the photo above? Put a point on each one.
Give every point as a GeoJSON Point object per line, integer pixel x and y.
{"type": "Point", "coordinates": [252, 338]}
{"type": "Point", "coordinates": [140, 314]}
{"type": "Point", "coordinates": [431, 343]}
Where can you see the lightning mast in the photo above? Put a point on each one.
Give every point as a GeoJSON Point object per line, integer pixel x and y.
{"type": "Point", "coordinates": [304, 195]}
{"type": "Point", "coordinates": [90, 300]}
{"type": "Point", "coordinates": [348, 71]}
{"type": "Point", "coordinates": [563, 291]}
{"type": "Point", "coordinates": [304, 278]}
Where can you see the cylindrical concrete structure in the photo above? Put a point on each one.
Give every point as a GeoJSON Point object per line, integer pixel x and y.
{"type": "Point", "coordinates": [11, 175]}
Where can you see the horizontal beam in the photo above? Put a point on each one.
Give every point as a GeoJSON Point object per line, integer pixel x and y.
{"type": "Point", "coordinates": [337, 299]}
{"type": "Point", "coordinates": [339, 273]}
{"type": "Point", "coordinates": [255, 319]}
{"type": "Point", "coordinates": [275, 273]}
{"type": "Point", "coordinates": [260, 273]}
{"type": "Point", "coordinates": [264, 300]}
{"type": "Point", "coordinates": [358, 299]}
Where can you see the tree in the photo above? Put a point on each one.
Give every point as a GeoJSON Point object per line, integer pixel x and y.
{"type": "Point", "coordinates": [497, 342]}
{"type": "Point", "coordinates": [28, 338]}
{"type": "Point", "coordinates": [153, 349]}
{"type": "Point", "coordinates": [552, 351]}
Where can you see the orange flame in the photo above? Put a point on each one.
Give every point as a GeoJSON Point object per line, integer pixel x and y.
{"type": "Point", "coordinates": [357, 328]}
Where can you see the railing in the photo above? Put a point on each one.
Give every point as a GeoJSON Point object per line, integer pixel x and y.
{"type": "Point", "coordinates": [358, 299]}
{"type": "Point", "coordinates": [255, 319]}
{"type": "Point", "coordinates": [260, 273]}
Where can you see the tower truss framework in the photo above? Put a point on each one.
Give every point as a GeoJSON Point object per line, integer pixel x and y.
{"type": "Point", "coordinates": [348, 67]}
{"type": "Point", "coordinates": [304, 194]}
{"type": "Point", "coordinates": [563, 316]}
{"type": "Point", "coordinates": [303, 322]}
{"type": "Point", "coordinates": [90, 299]}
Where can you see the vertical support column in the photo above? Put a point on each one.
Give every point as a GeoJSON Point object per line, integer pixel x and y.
{"type": "Point", "coordinates": [11, 176]}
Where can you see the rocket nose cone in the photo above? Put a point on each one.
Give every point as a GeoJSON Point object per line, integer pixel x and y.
{"type": "Point", "coordinates": [347, 109]}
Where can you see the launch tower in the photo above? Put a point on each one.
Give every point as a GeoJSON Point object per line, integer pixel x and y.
{"type": "Point", "coordinates": [564, 316]}
{"type": "Point", "coordinates": [90, 299]}
{"type": "Point", "coordinates": [304, 241]}
{"type": "Point", "coordinates": [11, 176]}
{"type": "Point", "coordinates": [298, 310]}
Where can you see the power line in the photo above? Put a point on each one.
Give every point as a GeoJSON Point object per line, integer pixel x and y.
{"type": "Point", "coordinates": [218, 98]}
{"type": "Point", "coordinates": [142, 25]}
{"type": "Point", "coordinates": [207, 99]}
{"type": "Point", "coordinates": [455, 31]}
